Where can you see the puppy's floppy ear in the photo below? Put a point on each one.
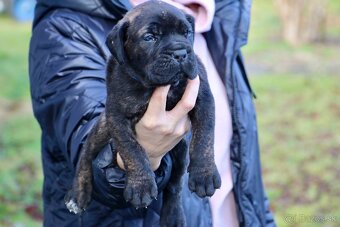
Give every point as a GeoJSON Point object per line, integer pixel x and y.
{"type": "Point", "coordinates": [115, 41]}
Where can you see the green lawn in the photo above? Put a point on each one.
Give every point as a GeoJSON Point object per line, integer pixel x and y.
{"type": "Point", "coordinates": [298, 118]}
{"type": "Point", "coordinates": [20, 164]}
{"type": "Point", "coordinates": [13, 59]}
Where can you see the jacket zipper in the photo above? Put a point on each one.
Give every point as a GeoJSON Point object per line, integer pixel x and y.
{"type": "Point", "coordinates": [234, 116]}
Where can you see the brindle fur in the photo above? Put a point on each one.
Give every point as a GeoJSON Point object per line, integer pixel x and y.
{"type": "Point", "coordinates": [136, 67]}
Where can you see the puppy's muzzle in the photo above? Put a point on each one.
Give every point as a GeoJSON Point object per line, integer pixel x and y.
{"type": "Point", "coordinates": [180, 55]}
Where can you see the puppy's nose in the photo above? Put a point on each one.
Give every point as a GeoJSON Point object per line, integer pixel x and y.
{"type": "Point", "coordinates": [180, 55]}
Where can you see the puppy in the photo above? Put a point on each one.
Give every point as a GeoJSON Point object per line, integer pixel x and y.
{"type": "Point", "coordinates": [151, 46]}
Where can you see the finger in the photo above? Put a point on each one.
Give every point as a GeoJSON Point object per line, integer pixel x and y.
{"type": "Point", "coordinates": [182, 127]}
{"type": "Point", "coordinates": [187, 124]}
{"type": "Point", "coordinates": [188, 99]}
{"type": "Point", "coordinates": [157, 103]}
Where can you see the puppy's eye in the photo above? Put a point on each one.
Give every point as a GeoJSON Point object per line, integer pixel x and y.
{"type": "Point", "coordinates": [188, 34]}
{"type": "Point", "coordinates": [149, 37]}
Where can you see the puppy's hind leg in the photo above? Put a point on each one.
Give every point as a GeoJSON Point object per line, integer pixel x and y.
{"type": "Point", "coordinates": [172, 214]}
{"type": "Point", "coordinates": [78, 198]}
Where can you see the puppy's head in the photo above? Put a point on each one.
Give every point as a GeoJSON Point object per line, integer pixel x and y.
{"type": "Point", "coordinates": [155, 39]}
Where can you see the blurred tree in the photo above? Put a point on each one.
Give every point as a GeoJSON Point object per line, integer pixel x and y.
{"type": "Point", "coordinates": [303, 21]}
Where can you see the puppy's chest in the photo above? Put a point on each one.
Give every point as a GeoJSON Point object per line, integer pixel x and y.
{"type": "Point", "coordinates": [174, 95]}
{"type": "Point", "coordinates": [135, 105]}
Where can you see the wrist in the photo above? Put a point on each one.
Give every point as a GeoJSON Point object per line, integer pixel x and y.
{"type": "Point", "coordinates": [155, 163]}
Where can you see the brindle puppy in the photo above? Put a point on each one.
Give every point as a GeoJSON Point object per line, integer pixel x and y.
{"type": "Point", "coordinates": [151, 46]}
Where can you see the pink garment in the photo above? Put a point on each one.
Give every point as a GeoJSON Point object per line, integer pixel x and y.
{"type": "Point", "coordinates": [202, 10]}
{"type": "Point", "coordinates": [222, 202]}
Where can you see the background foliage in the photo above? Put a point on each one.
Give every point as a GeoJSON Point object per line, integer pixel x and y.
{"type": "Point", "coordinates": [20, 164]}
{"type": "Point", "coordinates": [298, 112]}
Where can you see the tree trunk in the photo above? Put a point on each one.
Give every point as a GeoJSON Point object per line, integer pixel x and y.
{"type": "Point", "coordinates": [303, 20]}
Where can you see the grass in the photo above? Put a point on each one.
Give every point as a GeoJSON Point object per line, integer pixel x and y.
{"type": "Point", "coordinates": [298, 130]}
{"type": "Point", "coordinates": [298, 118]}
{"type": "Point", "coordinates": [268, 53]}
{"type": "Point", "coordinates": [20, 164]}
{"type": "Point", "coordinates": [13, 59]}
{"type": "Point", "coordinates": [20, 172]}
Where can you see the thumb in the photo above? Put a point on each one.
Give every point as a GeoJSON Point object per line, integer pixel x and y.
{"type": "Point", "coordinates": [157, 103]}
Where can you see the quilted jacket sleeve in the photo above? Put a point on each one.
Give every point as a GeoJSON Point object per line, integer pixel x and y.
{"type": "Point", "coordinates": [67, 74]}
{"type": "Point", "coordinates": [228, 34]}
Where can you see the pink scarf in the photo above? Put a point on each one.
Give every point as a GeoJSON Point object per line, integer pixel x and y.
{"type": "Point", "coordinates": [222, 202]}
{"type": "Point", "coordinates": [203, 11]}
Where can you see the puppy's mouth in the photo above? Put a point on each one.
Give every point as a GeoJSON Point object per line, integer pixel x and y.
{"type": "Point", "coordinates": [164, 76]}
{"type": "Point", "coordinates": [160, 80]}
{"type": "Point", "coordinates": [167, 71]}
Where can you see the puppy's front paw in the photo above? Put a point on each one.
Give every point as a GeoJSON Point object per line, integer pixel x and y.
{"type": "Point", "coordinates": [76, 202]}
{"type": "Point", "coordinates": [203, 180]}
{"type": "Point", "coordinates": [140, 190]}
{"type": "Point", "coordinates": [77, 199]}
{"type": "Point", "coordinates": [71, 203]}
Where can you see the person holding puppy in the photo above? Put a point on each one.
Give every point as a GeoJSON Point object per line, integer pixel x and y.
{"type": "Point", "coordinates": [67, 73]}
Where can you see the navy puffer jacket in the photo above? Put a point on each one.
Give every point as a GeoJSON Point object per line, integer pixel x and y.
{"type": "Point", "coordinates": [67, 61]}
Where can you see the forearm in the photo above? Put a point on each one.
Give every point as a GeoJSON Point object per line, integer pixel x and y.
{"type": "Point", "coordinates": [154, 162]}
{"type": "Point", "coordinates": [109, 178]}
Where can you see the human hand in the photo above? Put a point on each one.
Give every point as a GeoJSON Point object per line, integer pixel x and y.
{"type": "Point", "coordinates": [158, 131]}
